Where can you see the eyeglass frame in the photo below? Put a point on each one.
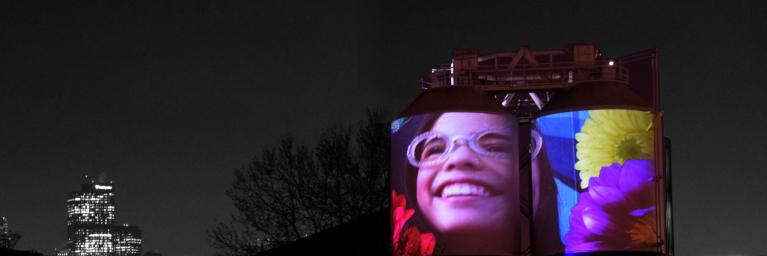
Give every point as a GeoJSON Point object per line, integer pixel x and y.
{"type": "Point", "coordinates": [471, 142]}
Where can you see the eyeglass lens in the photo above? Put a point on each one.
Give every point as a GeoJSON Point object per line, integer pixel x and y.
{"type": "Point", "coordinates": [487, 144]}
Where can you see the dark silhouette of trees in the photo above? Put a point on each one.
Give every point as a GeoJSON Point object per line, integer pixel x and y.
{"type": "Point", "coordinates": [14, 239]}
{"type": "Point", "coordinates": [291, 191]}
{"type": "Point", "coordinates": [9, 241]}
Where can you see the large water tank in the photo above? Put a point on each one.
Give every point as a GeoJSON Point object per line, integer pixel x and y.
{"type": "Point", "coordinates": [596, 183]}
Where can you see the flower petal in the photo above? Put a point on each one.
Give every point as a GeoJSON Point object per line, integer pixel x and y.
{"type": "Point", "coordinates": [635, 174]}
{"type": "Point", "coordinates": [597, 221]}
{"type": "Point", "coordinates": [586, 247]}
{"type": "Point", "coordinates": [601, 136]}
{"type": "Point", "coordinates": [641, 212]}
{"type": "Point", "coordinates": [612, 213]}
{"type": "Point", "coordinates": [604, 195]}
{"type": "Point", "coordinates": [427, 244]}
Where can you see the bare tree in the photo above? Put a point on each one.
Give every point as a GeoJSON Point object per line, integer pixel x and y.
{"type": "Point", "coordinates": [291, 191]}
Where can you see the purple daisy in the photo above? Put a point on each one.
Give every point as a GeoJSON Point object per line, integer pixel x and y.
{"type": "Point", "coordinates": [617, 212]}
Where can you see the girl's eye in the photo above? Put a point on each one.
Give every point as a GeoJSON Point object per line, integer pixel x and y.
{"type": "Point", "coordinates": [495, 143]}
{"type": "Point", "coordinates": [433, 148]}
{"type": "Point", "coordinates": [496, 148]}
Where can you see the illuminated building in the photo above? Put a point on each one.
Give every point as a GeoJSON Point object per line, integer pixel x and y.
{"type": "Point", "coordinates": [8, 239]}
{"type": "Point", "coordinates": [91, 228]}
{"type": "Point", "coordinates": [93, 205]}
{"type": "Point", "coordinates": [127, 240]}
{"type": "Point", "coordinates": [5, 236]}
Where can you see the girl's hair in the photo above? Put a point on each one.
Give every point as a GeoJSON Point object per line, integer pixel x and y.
{"type": "Point", "coordinates": [546, 218]}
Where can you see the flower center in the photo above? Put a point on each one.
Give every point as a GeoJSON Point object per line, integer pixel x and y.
{"type": "Point", "coordinates": [628, 148]}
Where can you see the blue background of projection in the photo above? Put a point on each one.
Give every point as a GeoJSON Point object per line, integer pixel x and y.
{"type": "Point", "coordinates": [558, 132]}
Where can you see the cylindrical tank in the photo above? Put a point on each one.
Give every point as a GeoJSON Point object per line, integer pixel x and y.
{"type": "Point", "coordinates": [455, 176]}
{"type": "Point", "coordinates": [597, 185]}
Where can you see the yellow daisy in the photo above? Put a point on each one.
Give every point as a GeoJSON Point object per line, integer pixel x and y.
{"type": "Point", "coordinates": [612, 136]}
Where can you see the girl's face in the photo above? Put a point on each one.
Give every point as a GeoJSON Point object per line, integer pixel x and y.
{"type": "Point", "coordinates": [467, 191]}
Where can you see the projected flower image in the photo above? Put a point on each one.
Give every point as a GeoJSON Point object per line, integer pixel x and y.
{"type": "Point", "coordinates": [603, 168]}
{"type": "Point", "coordinates": [400, 214]}
{"type": "Point", "coordinates": [612, 136]}
{"type": "Point", "coordinates": [617, 212]}
{"type": "Point", "coordinates": [411, 241]}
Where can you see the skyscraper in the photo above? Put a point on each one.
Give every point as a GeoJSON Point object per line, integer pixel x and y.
{"type": "Point", "coordinates": [127, 240]}
{"type": "Point", "coordinates": [5, 236]}
{"type": "Point", "coordinates": [91, 228]}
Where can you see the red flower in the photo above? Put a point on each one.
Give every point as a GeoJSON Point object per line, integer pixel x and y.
{"type": "Point", "coordinates": [427, 244]}
{"type": "Point", "coordinates": [400, 214]}
{"type": "Point", "coordinates": [410, 242]}
{"type": "Point", "coordinates": [414, 243]}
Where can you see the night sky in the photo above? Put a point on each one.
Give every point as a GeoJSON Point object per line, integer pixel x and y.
{"type": "Point", "coordinates": [167, 98]}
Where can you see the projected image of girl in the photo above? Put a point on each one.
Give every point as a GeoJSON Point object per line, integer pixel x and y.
{"type": "Point", "coordinates": [463, 170]}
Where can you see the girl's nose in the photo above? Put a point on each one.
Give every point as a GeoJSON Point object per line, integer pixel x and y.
{"type": "Point", "coordinates": [462, 157]}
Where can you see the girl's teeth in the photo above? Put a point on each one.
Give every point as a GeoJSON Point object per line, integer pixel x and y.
{"type": "Point", "coordinates": [464, 189]}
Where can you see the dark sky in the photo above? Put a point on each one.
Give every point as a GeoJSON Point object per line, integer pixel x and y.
{"type": "Point", "coordinates": [167, 99]}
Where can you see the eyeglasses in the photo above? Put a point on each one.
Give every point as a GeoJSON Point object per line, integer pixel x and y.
{"type": "Point", "coordinates": [431, 148]}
